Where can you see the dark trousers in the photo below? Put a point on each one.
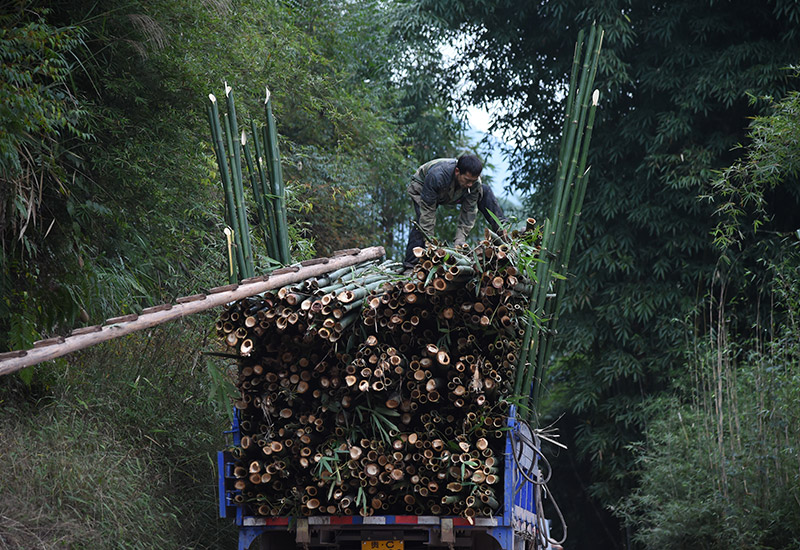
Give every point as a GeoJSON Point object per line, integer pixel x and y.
{"type": "Point", "coordinates": [487, 205]}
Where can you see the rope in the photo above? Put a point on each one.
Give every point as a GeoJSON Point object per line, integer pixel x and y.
{"type": "Point", "coordinates": [542, 535]}
{"type": "Point", "coordinates": [532, 444]}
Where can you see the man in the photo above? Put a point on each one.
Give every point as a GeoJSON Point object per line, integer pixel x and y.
{"type": "Point", "coordinates": [449, 181]}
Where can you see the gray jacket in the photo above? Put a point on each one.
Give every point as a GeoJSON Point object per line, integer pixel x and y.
{"type": "Point", "coordinates": [434, 183]}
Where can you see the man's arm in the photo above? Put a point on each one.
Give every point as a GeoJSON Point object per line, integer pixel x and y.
{"type": "Point", "coordinates": [469, 212]}
{"type": "Point", "coordinates": [427, 217]}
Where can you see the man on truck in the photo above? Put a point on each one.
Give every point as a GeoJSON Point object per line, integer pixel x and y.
{"type": "Point", "coordinates": [450, 181]}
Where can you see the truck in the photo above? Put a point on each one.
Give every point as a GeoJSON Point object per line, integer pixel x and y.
{"type": "Point", "coordinates": [377, 409]}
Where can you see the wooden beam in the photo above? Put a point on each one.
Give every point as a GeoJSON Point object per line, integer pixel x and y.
{"type": "Point", "coordinates": [88, 336]}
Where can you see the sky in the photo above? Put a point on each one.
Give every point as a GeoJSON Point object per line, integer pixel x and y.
{"type": "Point", "coordinates": [479, 119]}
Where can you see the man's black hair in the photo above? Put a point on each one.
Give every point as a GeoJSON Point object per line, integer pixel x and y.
{"type": "Point", "coordinates": [469, 163]}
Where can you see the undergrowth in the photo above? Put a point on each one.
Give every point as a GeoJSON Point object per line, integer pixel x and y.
{"type": "Point", "coordinates": [115, 448]}
{"type": "Point", "coordinates": [720, 466]}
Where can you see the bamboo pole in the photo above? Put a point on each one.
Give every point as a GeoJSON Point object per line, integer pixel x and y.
{"type": "Point", "coordinates": [188, 306]}
{"type": "Point", "coordinates": [559, 227]}
{"type": "Point", "coordinates": [257, 195]}
{"type": "Point", "coordinates": [267, 197]}
{"type": "Point", "coordinates": [238, 232]}
{"type": "Point", "coordinates": [575, 213]}
{"type": "Point", "coordinates": [235, 152]}
{"type": "Point", "coordinates": [573, 80]}
{"type": "Point", "coordinates": [579, 156]}
{"type": "Point", "coordinates": [399, 384]}
{"type": "Point", "coordinates": [565, 212]}
{"type": "Point", "coordinates": [225, 176]}
{"type": "Point", "coordinates": [549, 236]}
{"type": "Point", "coordinates": [276, 176]}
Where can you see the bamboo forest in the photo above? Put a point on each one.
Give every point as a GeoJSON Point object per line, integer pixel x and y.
{"type": "Point", "coordinates": [400, 274]}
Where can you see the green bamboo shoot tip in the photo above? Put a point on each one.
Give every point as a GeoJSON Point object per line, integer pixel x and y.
{"type": "Point", "coordinates": [266, 99]}
{"type": "Point", "coordinates": [244, 139]}
{"type": "Point", "coordinates": [596, 98]}
{"type": "Point", "coordinates": [228, 89]}
{"type": "Point", "coordinates": [212, 97]}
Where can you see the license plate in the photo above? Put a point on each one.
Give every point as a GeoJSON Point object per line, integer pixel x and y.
{"type": "Point", "coordinates": [382, 545]}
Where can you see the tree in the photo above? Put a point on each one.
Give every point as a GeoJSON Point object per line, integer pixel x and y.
{"type": "Point", "coordinates": [675, 78]}
{"type": "Point", "coordinates": [134, 216]}
{"type": "Point", "coordinates": [42, 122]}
{"type": "Point", "coordinates": [722, 472]}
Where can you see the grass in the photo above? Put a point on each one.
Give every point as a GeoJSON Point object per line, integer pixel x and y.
{"type": "Point", "coordinates": [115, 448]}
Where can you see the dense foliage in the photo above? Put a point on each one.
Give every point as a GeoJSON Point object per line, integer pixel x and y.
{"type": "Point", "coordinates": [40, 122]}
{"type": "Point", "coordinates": [113, 448]}
{"type": "Point", "coordinates": [110, 201]}
{"type": "Point", "coordinates": [719, 466]}
{"type": "Point", "coordinates": [111, 198]}
{"type": "Point", "coordinates": [676, 80]}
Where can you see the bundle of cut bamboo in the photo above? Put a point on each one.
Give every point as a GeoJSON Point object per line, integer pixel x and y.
{"type": "Point", "coordinates": [368, 392]}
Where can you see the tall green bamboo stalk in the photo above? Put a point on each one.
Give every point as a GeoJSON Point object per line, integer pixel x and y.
{"type": "Point", "coordinates": [581, 185]}
{"type": "Point", "coordinates": [266, 181]}
{"type": "Point", "coordinates": [276, 177]}
{"type": "Point", "coordinates": [231, 217]}
{"type": "Point", "coordinates": [239, 234]}
{"type": "Point", "coordinates": [257, 194]}
{"type": "Point", "coordinates": [559, 229]}
{"type": "Point", "coordinates": [232, 129]}
{"type": "Point", "coordinates": [270, 231]}
{"type": "Point", "coordinates": [584, 111]}
{"type": "Point", "coordinates": [550, 232]}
